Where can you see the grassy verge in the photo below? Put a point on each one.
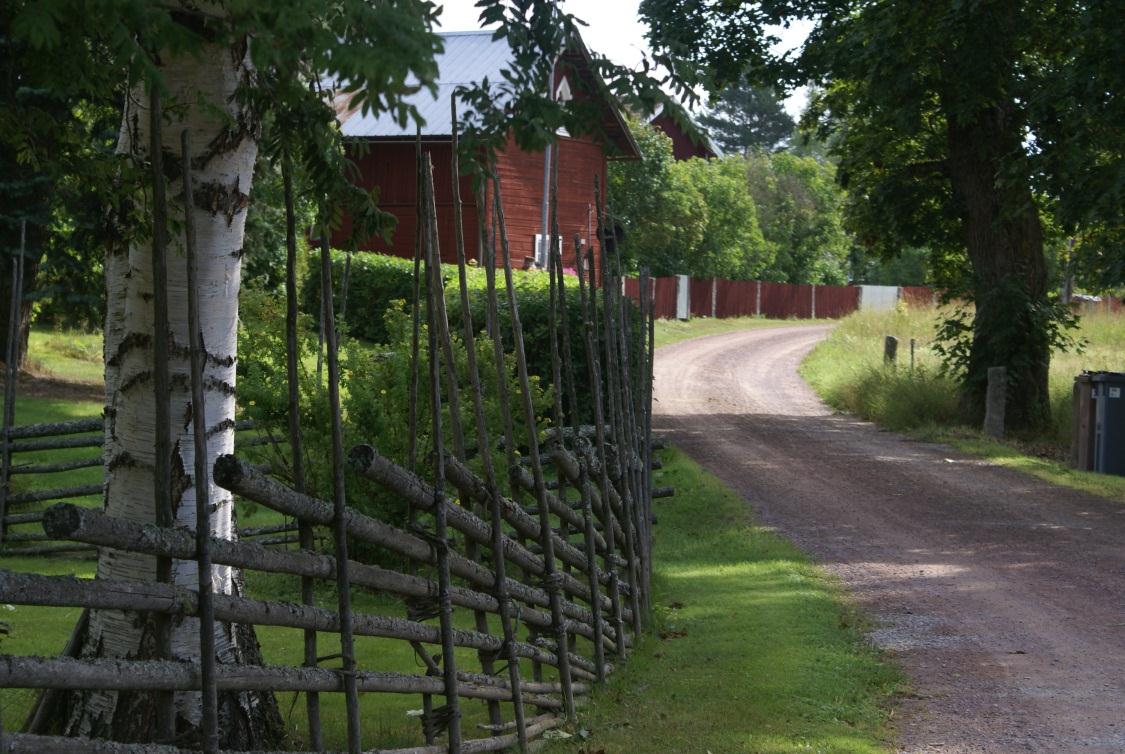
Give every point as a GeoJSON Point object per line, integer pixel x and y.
{"type": "Point", "coordinates": [67, 355]}
{"type": "Point", "coordinates": [755, 649]}
{"type": "Point", "coordinates": [670, 331]}
{"type": "Point", "coordinates": [847, 371]}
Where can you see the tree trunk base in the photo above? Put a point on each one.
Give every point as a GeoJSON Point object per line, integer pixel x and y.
{"type": "Point", "coordinates": [248, 720]}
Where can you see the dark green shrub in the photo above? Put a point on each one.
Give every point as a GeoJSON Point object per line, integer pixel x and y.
{"type": "Point", "coordinates": [375, 280]}
{"type": "Point", "coordinates": [375, 401]}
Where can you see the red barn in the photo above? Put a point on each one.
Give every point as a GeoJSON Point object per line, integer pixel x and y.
{"type": "Point", "coordinates": [387, 159]}
{"type": "Point", "coordinates": [685, 145]}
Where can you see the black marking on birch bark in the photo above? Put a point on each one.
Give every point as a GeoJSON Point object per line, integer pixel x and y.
{"type": "Point", "coordinates": [128, 343]}
{"type": "Point", "coordinates": [223, 426]}
{"type": "Point", "coordinates": [219, 199]}
{"type": "Point", "coordinates": [137, 379]}
{"type": "Point", "coordinates": [181, 480]}
{"type": "Point", "coordinates": [122, 460]}
{"type": "Point", "coordinates": [219, 386]}
{"type": "Point", "coordinates": [184, 352]}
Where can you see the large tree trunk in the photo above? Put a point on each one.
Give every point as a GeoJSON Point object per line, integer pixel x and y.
{"type": "Point", "coordinates": [1004, 238]}
{"type": "Point", "coordinates": [223, 161]}
{"type": "Point", "coordinates": [30, 271]}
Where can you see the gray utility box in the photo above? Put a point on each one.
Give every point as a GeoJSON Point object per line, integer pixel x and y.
{"type": "Point", "coordinates": [1109, 426]}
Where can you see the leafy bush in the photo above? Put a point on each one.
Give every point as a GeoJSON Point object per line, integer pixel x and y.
{"type": "Point", "coordinates": [376, 279]}
{"type": "Point", "coordinates": [375, 400]}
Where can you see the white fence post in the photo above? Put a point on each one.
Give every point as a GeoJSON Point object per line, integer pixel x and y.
{"type": "Point", "coordinates": [714, 298]}
{"type": "Point", "coordinates": [814, 301]}
{"type": "Point", "coordinates": [758, 300]}
{"type": "Point", "coordinates": [683, 297]}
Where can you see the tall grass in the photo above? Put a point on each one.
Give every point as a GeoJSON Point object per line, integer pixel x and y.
{"type": "Point", "coordinates": [848, 372]}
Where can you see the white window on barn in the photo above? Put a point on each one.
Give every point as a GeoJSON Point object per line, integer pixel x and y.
{"type": "Point", "coordinates": [567, 253]}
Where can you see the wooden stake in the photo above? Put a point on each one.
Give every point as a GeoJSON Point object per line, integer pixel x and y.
{"type": "Point", "coordinates": [339, 500]}
{"type": "Point", "coordinates": [162, 469]}
{"type": "Point", "coordinates": [451, 718]}
{"type": "Point", "coordinates": [493, 505]}
{"type": "Point", "coordinates": [551, 580]}
{"type": "Point", "coordinates": [208, 691]}
{"type": "Point", "coordinates": [297, 459]}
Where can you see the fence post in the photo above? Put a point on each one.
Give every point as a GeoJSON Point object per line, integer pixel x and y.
{"type": "Point", "coordinates": [890, 350]}
{"type": "Point", "coordinates": [683, 297]}
{"type": "Point", "coordinates": [714, 298]}
{"type": "Point", "coordinates": [814, 300]}
{"type": "Point", "coordinates": [994, 401]}
{"type": "Point", "coordinates": [912, 343]}
{"type": "Point", "coordinates": [11, 377]}
{"type": "Point", "coordinates": [758, 300]}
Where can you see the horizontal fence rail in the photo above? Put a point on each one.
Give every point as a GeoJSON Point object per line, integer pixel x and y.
{"type": "Point", "coordinates": [39, 482]}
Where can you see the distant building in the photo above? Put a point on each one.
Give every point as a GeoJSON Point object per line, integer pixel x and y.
{"type": "Point", "coordinates": [685, 145]}
{"type": "Point", "coordinates": [388, 161]}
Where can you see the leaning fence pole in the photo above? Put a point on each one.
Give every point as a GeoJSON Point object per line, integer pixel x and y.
{"type": "Point", "coordinates": [469, 336]}
{"type": "Point", "coordinates": [11, 358]}
{"type": "Point", "coordinates": [453, 389]}
{"type": "Point", "coordinates": [649, 376]}
{"type": "Point", "coordinates": [503, 599]}
{"type": "Point", "coordinates": [583, 471]}
{"type": "Point", "coordinates": [415, 350]}
{"type": "Point", "coordinates": [450, 715]}
{"type": "Point", "coordinates": [593, 370]}
{"type": "Point", "coordinates": [616, 418]}
{"type": "Point", "coordinates": [339, 500]}
{"type": "Point", "coordinates": [627, 428]}
{"type": "Point", "coordinates": [208, 690]}
{"type": "Point", "coordinates": [490, 220]}
{"type": "Point", "coordinates": [552, 580]}
{"type": "Point", "coordinates": [162, 466]}
{"type": "Point", "coordinates": [296, 446]}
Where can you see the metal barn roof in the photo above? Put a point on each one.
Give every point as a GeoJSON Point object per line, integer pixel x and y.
{"type": "Point", "coordinates": [469, 56]}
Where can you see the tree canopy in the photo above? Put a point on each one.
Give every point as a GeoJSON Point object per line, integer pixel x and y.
{"type": "Point", "coordinates": [743, 118]}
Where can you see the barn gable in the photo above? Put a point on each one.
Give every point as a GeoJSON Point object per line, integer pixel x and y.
{"type": "Point", "coordinates": [386, 158]}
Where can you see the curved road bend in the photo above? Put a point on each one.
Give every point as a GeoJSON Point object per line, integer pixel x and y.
{"type": "Point", "coordinates": [1001, 596]}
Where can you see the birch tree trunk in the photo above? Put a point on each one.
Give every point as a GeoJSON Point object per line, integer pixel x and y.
{"type": "Point", "coordinates": [198, 90]}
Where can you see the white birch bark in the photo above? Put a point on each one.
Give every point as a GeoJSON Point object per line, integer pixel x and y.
{"type": "Point", "coordinates": [198, 88]}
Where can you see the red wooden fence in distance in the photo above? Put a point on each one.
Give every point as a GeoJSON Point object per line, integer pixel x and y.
{"type": "Point", "coordinates": [749, 298]}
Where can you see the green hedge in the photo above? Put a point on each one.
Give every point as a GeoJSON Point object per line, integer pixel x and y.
{"type": "Point", "coordinates": [375, 280]}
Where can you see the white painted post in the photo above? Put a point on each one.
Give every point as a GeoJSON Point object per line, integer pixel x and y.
{"type": "Point", "coordinates": [814, 301]}
{"type": "Point", "coordinates": [683, 297]}
{"type": "Point", "coordinates": [714, 298]}
{"type": "Point", "coordinates": [758, 301]}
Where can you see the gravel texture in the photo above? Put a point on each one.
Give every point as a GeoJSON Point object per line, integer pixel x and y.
{"type": "Point", "coordinates": [1002, 597]}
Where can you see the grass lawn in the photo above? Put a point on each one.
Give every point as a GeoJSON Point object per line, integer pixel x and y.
{"type": "Point", "coordinates": [670, 331]}
{"type": "Point", "coordinates": [847, 371]}
{"type": "Point", "coordinates": [756, 651]}
{"type": "Point", "coordinates": [67, 355]}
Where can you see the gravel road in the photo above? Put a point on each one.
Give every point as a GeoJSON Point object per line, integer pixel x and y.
{"type": "Point", "coordinates": [1002, 597]}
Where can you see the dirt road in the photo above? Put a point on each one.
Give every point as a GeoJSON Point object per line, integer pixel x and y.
{"type": "Point", "coordinates": [1002, 597]}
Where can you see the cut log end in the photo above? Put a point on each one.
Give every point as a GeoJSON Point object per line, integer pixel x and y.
{"type": "Point", "coordinates": [228, 471]}
{"type": "Point", "coordinates": [62, 520]}
{"type": "Point", "coordinates": [361, 456]}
